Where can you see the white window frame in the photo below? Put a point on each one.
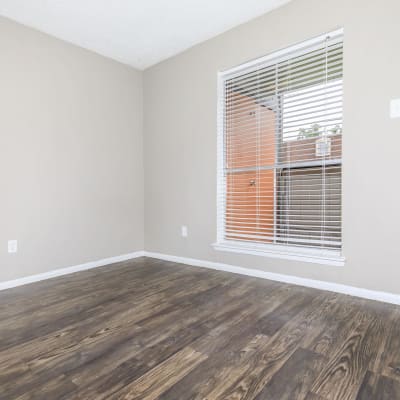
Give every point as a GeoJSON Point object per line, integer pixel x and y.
{"type": "Point", "coordinates": [314, 255]}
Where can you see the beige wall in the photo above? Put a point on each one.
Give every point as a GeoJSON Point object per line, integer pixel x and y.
{"type": "Point", "coordinates": [71, 168]}
{"type": "Point", "coordinates": [71, 162]}
{"type": "Point", "coordinates": [180, 139]}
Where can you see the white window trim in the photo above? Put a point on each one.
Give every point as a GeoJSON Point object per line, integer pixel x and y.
{"type": "Point", "coordinates": [317, 256]}
{"type": "Point", "coordinates": [312, 255]}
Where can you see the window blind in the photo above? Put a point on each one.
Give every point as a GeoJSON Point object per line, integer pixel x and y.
{"type": "Point", "coordinates": [281, 149]}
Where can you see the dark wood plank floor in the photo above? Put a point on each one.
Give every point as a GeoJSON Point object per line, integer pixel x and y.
{"type": "Point", "coordinates": [149, 329]}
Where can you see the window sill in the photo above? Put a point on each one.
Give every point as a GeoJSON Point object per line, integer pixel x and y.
{"type": "Point", "coordinates": [326, 257]}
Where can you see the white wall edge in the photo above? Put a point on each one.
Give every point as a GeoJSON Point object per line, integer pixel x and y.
{"type": "Point", "coordinates": [69, 270]}
{"type": "Point", "coordinates": [322, 285]}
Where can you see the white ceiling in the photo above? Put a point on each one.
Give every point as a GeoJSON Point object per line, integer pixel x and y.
{"type": "Point", "coordinates": [140, 33]}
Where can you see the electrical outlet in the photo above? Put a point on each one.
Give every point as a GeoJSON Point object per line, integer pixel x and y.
{"type": "Point", "coordinates": [12, 246]}
{"type": "Point", "coordinates": [395, 108]}
{"type": "Point", "coordinates": [184, 231]}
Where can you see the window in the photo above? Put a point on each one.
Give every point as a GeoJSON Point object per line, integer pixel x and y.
{"type": "Point", "coordinates": [280, 154]}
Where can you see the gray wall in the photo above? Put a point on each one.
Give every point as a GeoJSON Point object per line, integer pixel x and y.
{"type": "Point", "coordinates": [71, 167]}
{"type": "Point", "coordinates": [180, 104]}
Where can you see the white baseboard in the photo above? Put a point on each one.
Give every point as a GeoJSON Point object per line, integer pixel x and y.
{"type": "Point", "coordinates": [69, 270]}
{"type": "Point", "coordinates": [322, 285]}
{"type": "Point", "coordinates": [295, 280]}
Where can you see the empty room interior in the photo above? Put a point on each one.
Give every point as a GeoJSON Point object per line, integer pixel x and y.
{"type": "Point", "coordinates": [199, 200]}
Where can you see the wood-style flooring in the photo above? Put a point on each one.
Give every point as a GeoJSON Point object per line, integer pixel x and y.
{"type": "Point", "coordinates": [150, 329]}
